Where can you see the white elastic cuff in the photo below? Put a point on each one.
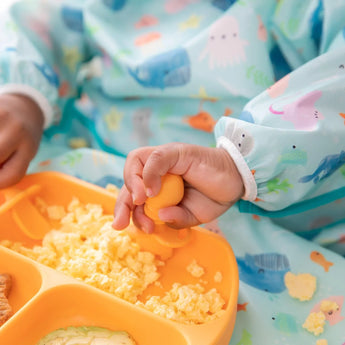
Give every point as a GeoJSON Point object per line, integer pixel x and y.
{"type": "Point", "coordinates": [35, 95]}
{"type": "Point", "coordinates": [250, 187]}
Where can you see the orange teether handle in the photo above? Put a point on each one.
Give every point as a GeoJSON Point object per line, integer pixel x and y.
{"type": "Point", "coordinates": [171, 194]}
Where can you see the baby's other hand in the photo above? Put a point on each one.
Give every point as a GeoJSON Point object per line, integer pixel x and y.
{"type": "Point", "coordinates": [212, 185]}
{"type": "Point", "coordinates": [21, 127]}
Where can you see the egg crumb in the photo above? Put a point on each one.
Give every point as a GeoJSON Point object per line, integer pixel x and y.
{"type": "Point", "coordinates": [301, 286]}
{"type": "Point", "coordinates": [195, 269]}
{"type": "Point", "coordinates": [113, 189]}
{"type": "Point", "coordinates": [321, 342]}
{"type": "Point", "coordinates": [85, 246]}
{"type": "Point", "coordinates": [56, 212]}
{"type": "Point", "coordinates": [218, 277]}
{"type": "Point", "coordinates": [315, 323]}
{"type": "Point", "coordinates": [328, 306]}
{"type": "Point", "coordinates": [191, 300]}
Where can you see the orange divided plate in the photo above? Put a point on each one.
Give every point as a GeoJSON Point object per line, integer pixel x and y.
{"type": "Point", "coordinates": [44, 300]}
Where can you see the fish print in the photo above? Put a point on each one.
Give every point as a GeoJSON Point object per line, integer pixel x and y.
{"type": "Point", "coordinates": [146, 21]}
{"type": "Point", "coordinates": [285, 323]}
{"type": "Point", "coordinates": [319, 259]}
{"type": "Point", "coordinates": [293, 157]}
{"type": "Point", "coordinates": [275, 185]}
{"type": "Point", "coordinates": [327, 167]}
{"type": "Point", "coordinates": [147, 38]}
{"type": "Point", "coordinates": [204, 121]}
{"type": "Point", "coordinates": [334, 316]}
{"type": "Point", "coordinates": [242, 307]}
{"type": "Point", "coordinates": [343, 116]}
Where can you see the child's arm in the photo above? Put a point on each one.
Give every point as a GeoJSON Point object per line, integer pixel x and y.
{"type": "Point", "coordinates": [22, 124]}
{"type": "Point", "coordinates": [289, 144]}
{"type": "Point", "coordinates": [212, 184]}
{"type": "Point", "coordinates": [42, 47]}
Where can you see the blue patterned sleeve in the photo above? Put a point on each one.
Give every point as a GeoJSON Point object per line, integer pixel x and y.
{"type": "Point", "coordinates": [42, 47]}
{"type": "Point", "coordinates": [289, 141]}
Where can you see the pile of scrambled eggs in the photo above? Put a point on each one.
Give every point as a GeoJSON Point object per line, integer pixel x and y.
{"type": "Point", "coordinates": [86, 247]}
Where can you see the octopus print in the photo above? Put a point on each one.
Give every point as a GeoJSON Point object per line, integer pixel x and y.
{"type": "Point", "coordinates": [224, 46]}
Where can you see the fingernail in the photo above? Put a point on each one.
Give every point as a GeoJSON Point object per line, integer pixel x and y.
{"type": "Point", "coordinates": [164, 218]}
{"type": "Point", "coordinates": [146, 229]}
{"type": "Point", "coordinates": [149, 192]}
{"type": "Point", "coordinates": [134, 199]}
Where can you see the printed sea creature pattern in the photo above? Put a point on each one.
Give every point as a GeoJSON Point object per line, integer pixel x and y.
{"type": "Point", "coordinates": [302, 113]}
{"type": "Point", "coordinates": [168, 69]}
{"type": "Point", "coordinates": [264, 271]}
{"type": "Point", "coordinates": [224, 46]}
{"type": "Point", "coordinates": [164, 51]}
{"type": "Point", "coordinates": [327, 167]}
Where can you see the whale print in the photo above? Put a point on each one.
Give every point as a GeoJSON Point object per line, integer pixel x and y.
{"type": "Point", "coordinates": [264, 271]}
{"type": "Point", "coordinates": [327, 167]}
{"type": "Point", "coordinates": [73, 18]}
{"type": "Point", "coordinates": [302, 113]}
{"type": "Point", "coordinates": [168, 69]}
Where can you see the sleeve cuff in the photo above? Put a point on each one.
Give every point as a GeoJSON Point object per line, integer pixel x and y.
{"type": "Point", "coordinates": [247, 176]}
{"type": "Point", "coordinates": [35, 95]}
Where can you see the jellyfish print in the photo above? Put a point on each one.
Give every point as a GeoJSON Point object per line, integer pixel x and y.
{"type": "Point", "coordinates": [224, 46]}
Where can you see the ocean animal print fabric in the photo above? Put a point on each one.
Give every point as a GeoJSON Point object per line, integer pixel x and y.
{"type": "Point", "coordinates": [263, 79]}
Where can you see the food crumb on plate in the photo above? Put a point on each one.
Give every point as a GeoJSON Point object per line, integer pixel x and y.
{"type": "Point", "coordinates": [195, 269]}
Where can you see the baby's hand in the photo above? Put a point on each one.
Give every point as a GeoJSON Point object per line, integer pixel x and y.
{"type": "Point", "coordinates": [212, 185]}
{"type": "Point", "coordinates": [21, 127]}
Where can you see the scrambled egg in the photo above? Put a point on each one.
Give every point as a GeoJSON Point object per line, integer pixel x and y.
{"type": "Point", "coordinates": [315, 323]}
{"type": "Point", "coordinates": [86, 247]}
{"type": "Point", "coordinates": [218, 277]}
{"type": "Point", "coordinates": [321, 342]}
{"type": "Point", "coordinates": [195, 270]}
{"type": "Point", "coordinates": [301, 286]}
{"type": "Point", "coordinates": [328, 306]}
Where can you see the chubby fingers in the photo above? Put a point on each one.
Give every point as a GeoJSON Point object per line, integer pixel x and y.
{"type": "Point", "coordinates": [161, 161]}
{"type": "Point", "coordinates": [14, 167]}
{"type": "Point", "coordinates": [123, 208]}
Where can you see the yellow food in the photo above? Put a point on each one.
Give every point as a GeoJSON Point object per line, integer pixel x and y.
{"type": "Point", "coordinates": [315, 323]}
{"type": "Point", "coordinates": [328, 306]}
{"type": "Point", "coordinates": [301, 286]}
{"type": "Point", "coordinates": [218, 277]}
{"type": "Point", "coordinates": [86, 247]}
{"type": "Point", "coordinates": [195, 269]}
{"type": "Point", "coordinates": [321, 342]}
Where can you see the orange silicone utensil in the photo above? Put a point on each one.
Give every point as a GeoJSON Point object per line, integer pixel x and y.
{"type": "Point", "coordinates": [24, 213]}
{"type": "Point", "coordinates": [171, 193]}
